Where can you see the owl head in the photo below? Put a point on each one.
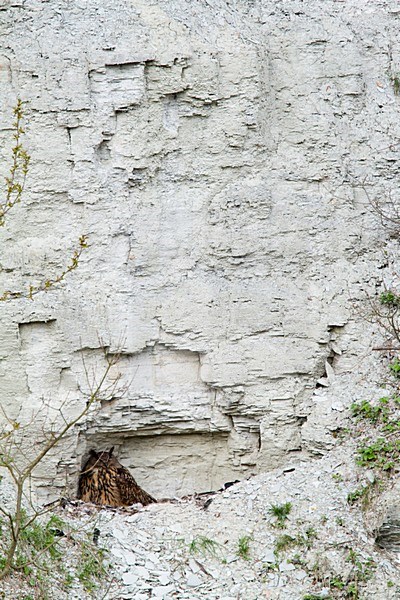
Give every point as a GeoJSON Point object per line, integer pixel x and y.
{"type": "Point", "coordinates": [99, 460]}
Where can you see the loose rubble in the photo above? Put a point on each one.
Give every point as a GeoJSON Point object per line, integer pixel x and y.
{"type": "Point", "coordinates": [189, 548]}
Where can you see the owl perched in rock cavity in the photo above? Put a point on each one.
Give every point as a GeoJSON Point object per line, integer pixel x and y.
{"type": "Point", "coordinates": [103, 480]}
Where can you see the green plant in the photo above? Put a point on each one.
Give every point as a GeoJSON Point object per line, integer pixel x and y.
{"type": "Point", "coordinates": [15, 181]}
{"type": "Point", "coordinates": [310, 535]}
{"type": "Point", "coordinates": [316, 597]}
{"type": "Point", "coordinates": [385, 311]}
{"type": "Point", "coordinates": [283, 542]}
{"type": "Point", "coordinates": [363, 493]}
{"type": "Point", "coordinates": [42, 537]}
{"type": "Point", "coordinates": [350, 585]}
{"type": "Point", "coordinates": [389, 298]}
{"type": "Point", "coordinates": [363, 569]}
{"type": "Point", "coordinates": [337, 477]}
{"type": "Point", "coordinates": [270, 567]}
{"type": "Point", "coordinates": [352, 497]}
{"type": "Point", "coordinates": [337, 582]}
{"type": "Point", "coordinates": [203, 545]}
{"type": "Point", "coordinates": [68, 580]}
{"type": "Point", "coordinates": [366, 410]}
{"type": "Point", "coordinates": [92, 567]}
{"type": "Point", "coordinates": [381, 453]}
{"type": "Point", "coordinates": [244, 547]}
{"type": "Point", "coordinates": [25, 540]}
{"type": "Point", "coordinates": [281, 513]}
{"type": "Point", "coordinates": [395, 79]}
{"type": "Point", "coordinates": [298, 560]}
{"type": "Point", "coordinates": [379, 447]}
{"type": "Point", "coordinates": [394, 367]}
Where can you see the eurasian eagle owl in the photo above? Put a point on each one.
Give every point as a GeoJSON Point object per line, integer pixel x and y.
{"type": "Point", "coordinates": [103, 480]}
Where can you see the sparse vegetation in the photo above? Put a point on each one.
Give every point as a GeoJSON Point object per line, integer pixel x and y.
{"type": "Point", "coordinates": [203, 545]}
{"type": "Point", "coordinates": [379, 448]}
{"type": "Point", "coordinates": [285, 541]}
{"type": "Point", "coordinates": [281, 513]}
{"type": "Point", "coordinates": [374, 413]}
{"type": "Point", "coordinates": [92, 568]}
{"type": "Point", "coordinates": [352, 497]}
{"type": "Point", "coordinates": [40, 552]}
{"type": "Point", "coordinates": [244, 547]}
{"type": "Point", "coordinates": [346, 585]}
{"type": "Point", "coordinates": [395, 79]}
{"type": "Point", "coordinates": [270, 567]}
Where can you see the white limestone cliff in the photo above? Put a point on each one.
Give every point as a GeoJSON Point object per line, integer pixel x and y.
{"type": "Point", "coordinates": [216, 154]}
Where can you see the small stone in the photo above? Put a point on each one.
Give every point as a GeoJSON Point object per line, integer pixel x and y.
{"type": "Point", "coordinates": [231, 558]}
{"type": "Point", "coordinates": [142, 572]}
{"type": "Point", "coordinates": [133, 518]}
{"type": "Point", "coordinates": [300, 575]}
{"type": "Point", "coordinates": [274, 581]}
{"type": "Point", "coordinates": [129, 578]}
{"type": "Point", "coordinates": [286, 566]}
{"type": "Point", "coordinates": [119, 535]}
{"type": "Point", "coordinates": [118, 552]}
{"type": "Point", "coordinates": [193, 580]}
{"type": "Point", "coordinates": [193, 565]}
{"type": "Point", "coordinates": [130, 557]}
{"type": "Point", "coordinates": [164, 577]}
{"type": "Point", "coordinates": [339, 406]}
{"type": "Point", "coordinates": [153, 557]}
{"type": "Point", "coordinates": [370, 476]}
{"type": "Point", "coordinates": [162, 591]}
{"type": "Point", "coordinates": [269, 556]}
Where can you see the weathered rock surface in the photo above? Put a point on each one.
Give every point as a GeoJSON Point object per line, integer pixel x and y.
{"type": "Point", "coordinates": [215, 154]}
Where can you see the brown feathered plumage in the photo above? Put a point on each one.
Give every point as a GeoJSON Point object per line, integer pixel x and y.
{"type": "Point", "coordinates": [103, 480]}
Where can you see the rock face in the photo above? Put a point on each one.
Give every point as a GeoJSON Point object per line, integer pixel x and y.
{"type": "Point", "coordinates": [218, 156]}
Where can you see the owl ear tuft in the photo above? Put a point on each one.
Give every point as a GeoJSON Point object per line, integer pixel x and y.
{"type": "Point", "coordinates": [93, 453]}
{"type": "Point", "coordinates": [111, 450]}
